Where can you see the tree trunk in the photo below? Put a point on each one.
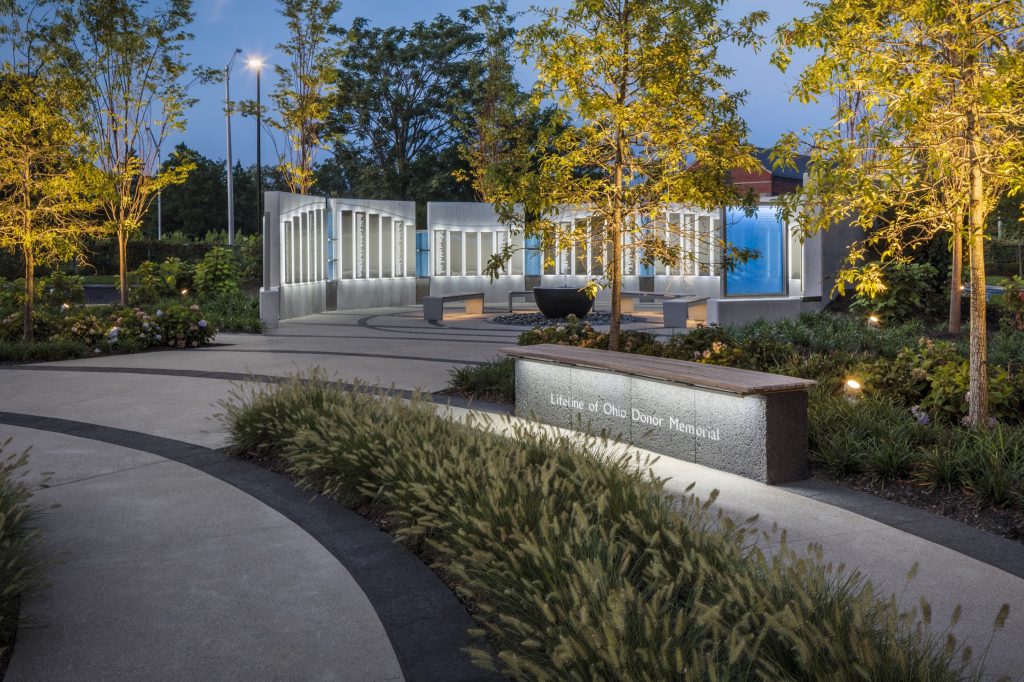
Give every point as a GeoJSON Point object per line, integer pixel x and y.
{"type": "Point", "coordinates": [122, 255]}
{"type": "Point", "coordinates": [615, 278]}
{"type": "Point", "coordinates": [977, 397]}
{"type": "Point", "coordinates": [615, 234]}
{"type": "Point", "coordinates": [956, 279]}
{"type": "Point", "coordinates": [28, 329]}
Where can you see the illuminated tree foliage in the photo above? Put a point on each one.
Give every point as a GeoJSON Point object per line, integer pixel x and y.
{"type": "Point", "coordinates": [47, 185]}
{"type": "Point", "coordinates": [939, 137]}
{"type": "Point", "coordinates": [304, 90]}
{"type": "Point", "coordinates": [645, 120]}
{"type": "Point", "coordinates": [125, 63]}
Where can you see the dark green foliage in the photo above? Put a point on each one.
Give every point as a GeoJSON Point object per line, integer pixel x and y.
{"type": "Point", "coordinates": [154, 282]}
{"type": "Point", "coordinates": [1006, 347]}
{"type": "Point", "coordinates": [991, 464]}
{"type": "Point", "coordinates": [217, 274]}
{"type": "Point", "coordinates": [17, 574]}
{"type": "Point", "coordinates": [59, 288]}
{"type": "Point", "coordinates": [494, 380]}
{"type": "Point", "coordinates": [41, 351]}
{"type": "Point", "coordinates": [871, 435]}
{"type": "Point", "coordinates": [234, 311]}
{"type": "Point", "coordinates": [250, 258]}
{"type": "Point", "coordinates": [913, 290]}
{"type": "Point", "coordinates": [582, 568]}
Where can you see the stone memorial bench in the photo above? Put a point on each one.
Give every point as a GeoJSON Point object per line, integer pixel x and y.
{"type": "Point", "coordinates": [679, 311]}
{"type": "Point", "coordinates": [528, 295]}
{"type": "Point", "coordinates": [433, 306]}
{"type": "Point", "coordinates": [749, 423]}
{"type": "Point", "coordinates": [629, 298]}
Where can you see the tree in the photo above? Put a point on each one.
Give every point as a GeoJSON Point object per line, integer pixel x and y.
{"type": "Point", "coordinates": [501, 110]}
{"type": "Point", "coordinates": [645, 120]}
{"type": "Point", "coordinates": [943, 84]}
{"type": "Point", "coordinates": [47, 185]}
{"type": "Point", "coordinates": [403, 98]}
{"type": "Point", "coordinates": [304, 87]}
{"type": "Point", "coordinates": [126, 62]}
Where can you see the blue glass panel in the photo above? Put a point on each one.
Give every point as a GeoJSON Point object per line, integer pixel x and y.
{"type": "Point", "coordinates": [422, 254]}
{"type": "Point", "coordinates": [532, 245]}
{"type": "Point", "coordinates": [766, 234]}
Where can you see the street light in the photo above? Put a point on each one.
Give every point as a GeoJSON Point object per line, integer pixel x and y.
{"type": "Point", "coordinates": [227, 114]}
{"type": "Point", "coordinates": [257, 64]}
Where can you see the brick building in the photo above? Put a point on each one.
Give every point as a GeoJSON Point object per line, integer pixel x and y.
{"type": "Point", "coordinates": [769, 181]}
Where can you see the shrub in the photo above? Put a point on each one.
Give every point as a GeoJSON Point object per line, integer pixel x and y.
{"type": "Point", "coordinates": [217, 273]}
{"type": "Point", "coordinates": [41, 351]}
{"type": "Point", "coordinates": [234, 311]}
{"type": "Point", "coordinates": [250, 256]}
{"type": "Point", "coordinates": [1013, 303]}
{"type": "Point", "coordinates": [59, 289]}
{"type": "Point", "coordinates": [152, 282]}
{"type": "Point", "coordinates": [494, 380]}
{"type": "Point", "coordinates": [185, 327]}
{"type": "Point", "coordinates": [912, 290]}
{"type": "Point", "coordinates": [17, 574]}
{"type": "Point", "coordinates": [578, 567]}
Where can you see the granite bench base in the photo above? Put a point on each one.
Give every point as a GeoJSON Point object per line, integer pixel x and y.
{"type": "Point", "coordinates": [762, 436]}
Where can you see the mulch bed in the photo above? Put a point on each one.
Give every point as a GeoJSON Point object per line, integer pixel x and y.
{"type": "Point", "coordinates": [953, 504]}
{"type": "Point", "coordinates": [538, 320]}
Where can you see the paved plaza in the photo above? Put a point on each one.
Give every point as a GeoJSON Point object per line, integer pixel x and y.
{"type": "Point", "coordinates": [167, 559]}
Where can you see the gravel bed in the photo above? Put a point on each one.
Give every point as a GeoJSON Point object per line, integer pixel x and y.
{"type": "Point", "coordinates": [538, 320]}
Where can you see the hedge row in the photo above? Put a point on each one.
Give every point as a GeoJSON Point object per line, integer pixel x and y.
{"type": "Point", "coordinates": [580, 568]}
{"type": "Point", "coordinates": [102, 258]}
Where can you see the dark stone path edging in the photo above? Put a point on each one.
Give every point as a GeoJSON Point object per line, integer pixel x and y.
{"type": "Point", "coordinates": [427, 626]}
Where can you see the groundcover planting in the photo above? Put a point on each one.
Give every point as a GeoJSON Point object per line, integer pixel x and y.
{"type": "Point", "coordinates": [578, 567]}
{"type": "Point", "coordinates": [17, 575]}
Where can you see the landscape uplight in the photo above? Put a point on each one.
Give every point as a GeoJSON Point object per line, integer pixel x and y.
{"type": "Point", "coordinates": [852, 389]}
{"type": "Point", "coordinates": [184, 292]}
{"type": "Point", "coordinates": [873, 321]}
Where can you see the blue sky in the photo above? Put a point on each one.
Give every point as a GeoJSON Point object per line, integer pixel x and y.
{"type": "Point", "coordinates": [256, 27]}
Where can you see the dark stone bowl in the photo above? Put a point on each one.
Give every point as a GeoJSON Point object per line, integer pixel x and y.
{"type": "Point", "coordinates": [555, 302]}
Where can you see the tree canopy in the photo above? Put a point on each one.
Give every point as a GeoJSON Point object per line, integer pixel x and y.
{"type": "Point", "coordinates": [939, 138]}
{"type": "Point", "coordinates": [645, 120]}
{"type": "Point", "coordinates": [47, 184]}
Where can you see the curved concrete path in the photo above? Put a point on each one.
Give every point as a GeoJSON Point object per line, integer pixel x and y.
{"type": "Point", "coordinates": [160, 571]}
{"type": "Point", "coordinates": [170, 394]}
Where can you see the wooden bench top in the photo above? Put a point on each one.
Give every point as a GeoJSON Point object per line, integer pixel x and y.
{"type": "Point", "coordinates": [727, 379]}
{"type": "Point", "coordinates": [455, 297]}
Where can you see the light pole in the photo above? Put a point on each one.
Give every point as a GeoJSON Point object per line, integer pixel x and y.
{"type": "Point", "coordinates": [257, 64]}
{"type": "Point", "coordinates": [231, 183]}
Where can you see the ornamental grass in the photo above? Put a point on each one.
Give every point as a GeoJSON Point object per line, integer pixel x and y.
{"type": "Point", "coordinates": [17, 574]}
{"type": "Point", "coordinates": [580, 567]}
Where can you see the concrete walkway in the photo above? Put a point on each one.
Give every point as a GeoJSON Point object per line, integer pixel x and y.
{"type": "Point", "coordinates": [129, 520]}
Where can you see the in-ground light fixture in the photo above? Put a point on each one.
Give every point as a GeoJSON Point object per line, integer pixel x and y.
{"type": "Point", "coordinates": [852, 388]}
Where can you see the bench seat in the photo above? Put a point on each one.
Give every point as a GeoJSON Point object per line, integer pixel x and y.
{"type": "Point", "coordinates": [433, 306]}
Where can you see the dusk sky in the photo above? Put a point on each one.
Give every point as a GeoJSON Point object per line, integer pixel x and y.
{"type": "Point", "coordinates": [256, 27]}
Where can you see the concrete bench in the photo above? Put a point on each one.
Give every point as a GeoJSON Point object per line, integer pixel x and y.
{"type": "Point", "coordinates": [528, 295]}
{"type": "Point", "coordinates": [680, 313]}
{"type": "Point", "coordinates": [629, 298]}
{"type": "Point", "coordinates": [735, 311]}
{"type": "Point", "coordinates": [433, 306]}
{"type": "Point", "coordinates": [748, 423]}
